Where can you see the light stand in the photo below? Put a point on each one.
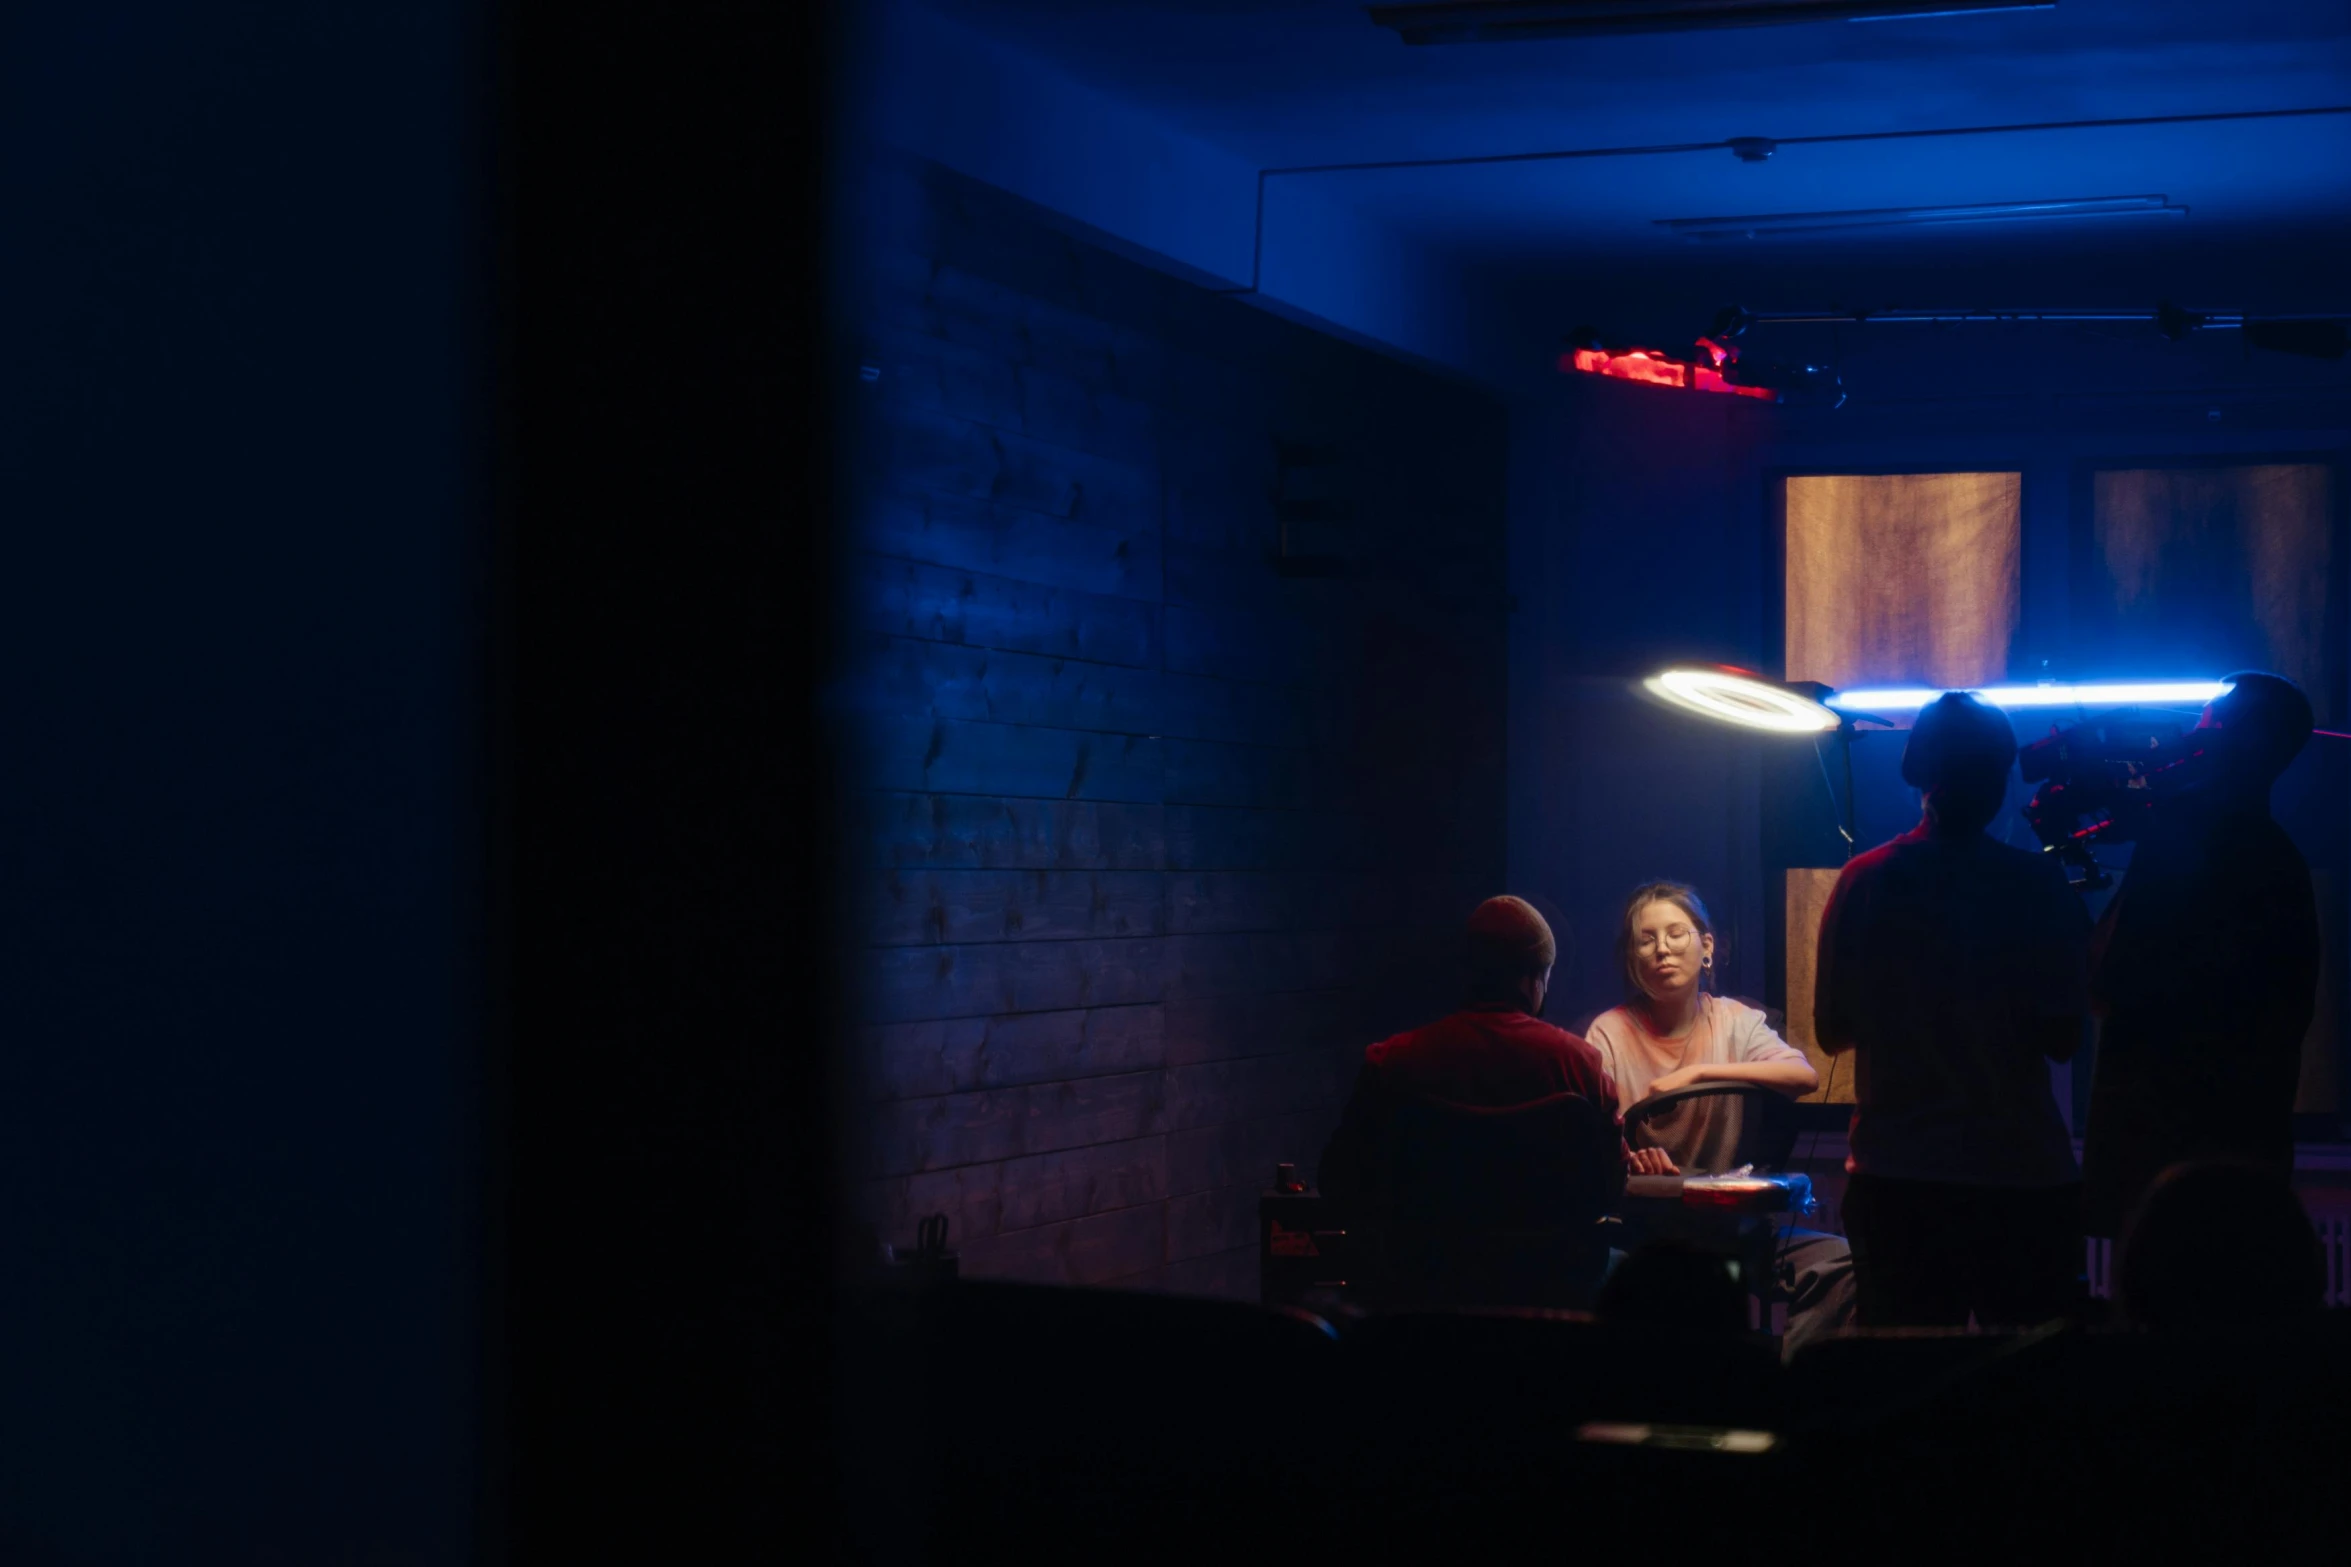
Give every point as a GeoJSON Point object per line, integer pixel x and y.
{"type": "Point", "coordinates": [1845, 733]}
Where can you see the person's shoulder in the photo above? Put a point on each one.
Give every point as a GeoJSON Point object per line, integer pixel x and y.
{"type": "Point", "coordinates": [1436, 1035]}
{"type": "Point", "coordinates": [1871, 862]}
{"type": "Point", "coordinates": [1611, 1024]}
{"type": "Point", "coordinates": [1731, 1012]}
{"type": "Point", "coordinates": [1741, 1021]}
{"type": "Point", "coordinates": [1553, 1034]}
{"type": "Point", "coordinates": [2267, 863]}
{"type": "Point", "coordinates": [1747, 1030]}
{"type": "Point", "coordinates": [2010, 871]}
{"type": "Point", "coordinates": [1550, 1036]}
{"type": "Point", "coordinates": [2030, 864]}
{"type": "Point", "coordinates": [2270, 839]}
{"type": "Point", "coordinates": [1868, 868]}
{"type": "Point", "coordinates": [1379, 1052]}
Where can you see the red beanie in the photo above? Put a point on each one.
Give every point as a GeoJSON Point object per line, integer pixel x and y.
{"type": "Point", "coordinates": [1508, 938]}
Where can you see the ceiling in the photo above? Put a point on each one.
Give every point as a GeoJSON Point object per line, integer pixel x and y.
{"type": "Point", "coordinates": [1284, 83]}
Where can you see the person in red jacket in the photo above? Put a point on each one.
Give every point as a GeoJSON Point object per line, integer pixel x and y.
{"type": "Point", "coordinates": [1495, 1053]}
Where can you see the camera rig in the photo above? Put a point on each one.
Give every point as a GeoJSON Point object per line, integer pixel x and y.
{"type": "Point", "coordinates": [2102, 781]}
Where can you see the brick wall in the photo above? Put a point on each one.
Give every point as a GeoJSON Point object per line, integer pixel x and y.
{"type": "Point", "coordinates": [1158, 832]}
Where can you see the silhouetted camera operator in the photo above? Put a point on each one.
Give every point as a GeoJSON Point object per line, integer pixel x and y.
{"type": "Point", "coordinates": [2205, 966]}
{"type": "Point", "coordinates": [1953, 967]}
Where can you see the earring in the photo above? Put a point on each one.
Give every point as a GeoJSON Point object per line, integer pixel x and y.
{"type": "Point", "coordinates": [1706, 963]}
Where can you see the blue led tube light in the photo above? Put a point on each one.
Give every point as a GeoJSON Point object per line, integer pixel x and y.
{"type": "Point", "coordinates": [2096, 693]}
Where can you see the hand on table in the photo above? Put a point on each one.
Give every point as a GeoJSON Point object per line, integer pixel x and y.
{"type": "Point", "coordinates": [1650, 1161]}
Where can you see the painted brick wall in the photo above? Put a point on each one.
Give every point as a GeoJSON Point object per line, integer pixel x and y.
{"type": "Point", "coordinates": [1157, 835]}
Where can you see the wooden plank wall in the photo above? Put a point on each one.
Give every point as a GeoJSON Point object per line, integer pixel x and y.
{"type": "Point", "coordinates": [1156, 837]}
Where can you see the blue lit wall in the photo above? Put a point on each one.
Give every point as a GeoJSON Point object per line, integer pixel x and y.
{"type": "Point", "coordinates": [1153, 835]}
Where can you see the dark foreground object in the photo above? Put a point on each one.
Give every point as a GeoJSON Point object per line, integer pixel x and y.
{"type": "Point", "coordinates": [1054, 1423]}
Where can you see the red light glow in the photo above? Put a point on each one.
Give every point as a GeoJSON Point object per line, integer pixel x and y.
{"type": "Point", "coordinates": [1711, 381]}
{"type": "Point", "coordinates": [1654, 369]}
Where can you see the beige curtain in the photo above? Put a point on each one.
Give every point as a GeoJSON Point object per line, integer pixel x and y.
{"type": "Point", "coordinates": [1895, 579]}
{"type": "Point", "coordinates": [2166, 531]}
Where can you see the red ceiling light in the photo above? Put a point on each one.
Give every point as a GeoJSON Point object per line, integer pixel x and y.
{"type": "Point", "coordinates": [1655, 369]}
{"type": "Point", "coordinates": [1715, 368]}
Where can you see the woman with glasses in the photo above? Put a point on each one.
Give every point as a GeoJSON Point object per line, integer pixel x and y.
{"type": "Point", "coordinates": [1673, 1031]}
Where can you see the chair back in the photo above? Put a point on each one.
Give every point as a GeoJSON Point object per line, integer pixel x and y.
{"type": "Point", "coordinates": [1713, 1127]}
{"type": "Point", "coordinates": [1550, 1165]}
{"type": "Point", "coordinates": [1499, 1207]}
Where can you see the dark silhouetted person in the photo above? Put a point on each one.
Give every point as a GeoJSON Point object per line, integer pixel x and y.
{"type": "Point", "coordinates": [1684, 1352]}
{"type": "Point", "coordinates": [1494, 1053]}
{"type": "Point", "coordinates": [2220, 1244]}
{"type": "Point", "coordinates": [2205, 967]}
{"type": "Point", "coordinates": [1954, 968]}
